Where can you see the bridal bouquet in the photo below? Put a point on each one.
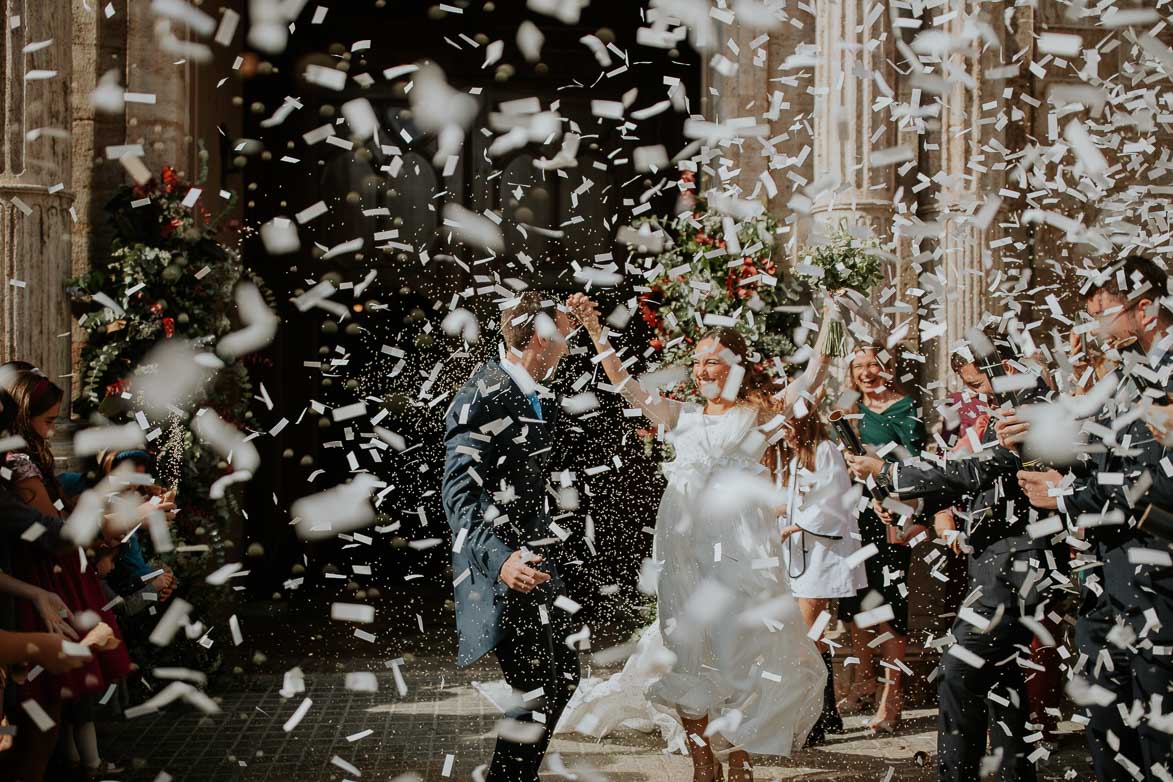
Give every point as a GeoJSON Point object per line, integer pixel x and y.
{"type": "Point", "coordinates": [712, 266]}
{"type": "Point", "coordinates": [841, 261]}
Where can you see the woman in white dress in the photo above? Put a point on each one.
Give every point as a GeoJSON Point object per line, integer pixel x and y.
{"type": "Point", "coordinates": [742, 669]}
{"type": "Point", "coordinates": [819, 535]}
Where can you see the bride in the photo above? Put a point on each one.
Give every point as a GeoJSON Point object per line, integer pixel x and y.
{"type": "Point", "coordinates": [728, 659]}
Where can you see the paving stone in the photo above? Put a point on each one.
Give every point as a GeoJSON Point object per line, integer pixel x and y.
{"type": "Point", "coordinates": [443, 715]}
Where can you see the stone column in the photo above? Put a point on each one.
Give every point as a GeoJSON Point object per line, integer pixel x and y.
{"type": "Point", "coordinates": [756, 85]}
{"type": "Point", "coordinates": [164, 128]}
{"type": "Point", "coordinates": [855, 46]}
{"type": "Point", "coordinates": [35, 185]}
{"type": "Point", "coordinates": [977, 125]}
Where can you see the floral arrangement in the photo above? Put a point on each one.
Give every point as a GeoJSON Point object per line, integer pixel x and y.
{"type": "Point", "coordinates": [700, 274]}
{"type": "Point", "coordinates": [842, 261]}
{"type": "Point", "coordinates": [167, 276]}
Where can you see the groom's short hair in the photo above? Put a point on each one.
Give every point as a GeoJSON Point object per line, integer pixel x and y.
{"type": "Point", "coordinates": [518, 320]}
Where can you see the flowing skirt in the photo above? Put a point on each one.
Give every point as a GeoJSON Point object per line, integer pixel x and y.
{"type": "Point", "coordinates": [729, 643]}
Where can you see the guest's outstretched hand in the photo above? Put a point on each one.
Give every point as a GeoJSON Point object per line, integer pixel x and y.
{"type": "Point", "coordinates": [54, 613]}
{"type": "Point", "coordinates": [1011, 431]}
{"type": "Point", "coordinates": [1035, 485]}
{"type": "Point", "coordinates": [45, 650]}
{"type": "Point", "coordinates": [863, 467]}
{"type": "Point", "coordinates": [1160, 422]}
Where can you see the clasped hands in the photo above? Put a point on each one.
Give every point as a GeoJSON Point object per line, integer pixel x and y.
{"type": "Point", "coordinates": [587, 313]}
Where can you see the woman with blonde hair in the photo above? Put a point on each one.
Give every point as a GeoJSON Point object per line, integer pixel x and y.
{"type": "Point", "coordinates": [743, 672]}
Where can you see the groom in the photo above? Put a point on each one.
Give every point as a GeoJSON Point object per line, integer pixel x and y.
{"type": "Point", "coordinates": [498, 443]}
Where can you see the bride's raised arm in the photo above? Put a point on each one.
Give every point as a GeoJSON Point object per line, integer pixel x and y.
{"type": "Point", "coordinates": [827, 345]}
{"type": "Point", "coordinates": [655, 407]}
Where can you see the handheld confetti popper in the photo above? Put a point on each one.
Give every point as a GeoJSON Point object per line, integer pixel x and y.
{"type": "Point", "coordinates": [883, 486]}
{"type": "Point", "coordinates": [1157, 521]}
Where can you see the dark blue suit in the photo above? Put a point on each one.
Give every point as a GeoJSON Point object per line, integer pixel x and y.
{"type": "Point", "coordinates": [497, 455]}
{"type": "Point", "coordinates": [1126, 594]}
{"type": "Point", "coordinates": [1007, 572]}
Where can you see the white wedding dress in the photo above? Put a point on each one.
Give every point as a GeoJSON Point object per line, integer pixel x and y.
{"type": "Point", "coordinates": [729, 642]}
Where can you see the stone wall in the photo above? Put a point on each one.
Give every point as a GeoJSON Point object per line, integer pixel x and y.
{"type": "Point", "coordinates": [36, 186]}
{"type": "Point", "coordinates": [55, 173]}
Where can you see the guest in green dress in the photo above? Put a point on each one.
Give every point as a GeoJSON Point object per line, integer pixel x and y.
{"type": "Point", "coordinates": [889, 415]}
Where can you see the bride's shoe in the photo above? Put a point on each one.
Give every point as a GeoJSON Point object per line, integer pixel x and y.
{"type": "Point", "coordinates": [740, 773]}
{"type": "Point", "coordinates": [888, 715]}
{"type": "Point", "coordinates": [705, 766]}
{"type": "Point", "coordinates": [704, 772]}
{"type": "Point", "coordinates": [858, 702]}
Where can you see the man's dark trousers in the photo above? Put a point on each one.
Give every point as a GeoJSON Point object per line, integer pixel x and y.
{"type": "Point", "coordinates": [533, 656]}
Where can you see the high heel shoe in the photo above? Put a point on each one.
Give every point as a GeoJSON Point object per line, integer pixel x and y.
{"type": "Point", "coordinates": [857, 702]}
{"type": "Point", "coordinates": [705, 769]}
{"type": "Point", "coordinates": [740, 773]}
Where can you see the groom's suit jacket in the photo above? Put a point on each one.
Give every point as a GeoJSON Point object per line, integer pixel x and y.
{"type": "Point", "coordinates": [496, 456]}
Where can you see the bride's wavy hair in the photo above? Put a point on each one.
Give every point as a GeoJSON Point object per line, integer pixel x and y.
{"type": "Point", "coordinates": [757, 388]}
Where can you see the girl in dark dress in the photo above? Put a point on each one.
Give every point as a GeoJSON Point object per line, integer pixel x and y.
{"type": "Point", "coordinates": [888, 415]}
{"type": "Point", "coordinates": [69, 574]}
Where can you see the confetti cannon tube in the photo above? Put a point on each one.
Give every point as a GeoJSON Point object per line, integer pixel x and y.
{"type": "Point", "coordinates": [851, 441]}
{"type": "Point", "coordinates": [1157, 521]}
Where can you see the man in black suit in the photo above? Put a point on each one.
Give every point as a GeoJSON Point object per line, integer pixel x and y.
{"type": "Point", "coordinates": [499, 440]}
{"type": "Point", "coordinates": [1125, 627]}
{"type": "Point", "coordinates": [980, 684]}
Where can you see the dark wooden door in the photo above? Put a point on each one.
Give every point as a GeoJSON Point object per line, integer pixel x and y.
{"type": "Point", "coordinates": [394, 185]}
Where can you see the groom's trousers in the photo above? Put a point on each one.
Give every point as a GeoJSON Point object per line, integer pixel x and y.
{"type": "Point", "coordinates": [537, 663]}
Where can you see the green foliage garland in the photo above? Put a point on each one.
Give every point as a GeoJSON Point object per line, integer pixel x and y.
{"type": "Point", "coordinates": [168, 276]}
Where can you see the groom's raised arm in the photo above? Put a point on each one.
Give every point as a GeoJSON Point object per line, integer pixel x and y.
{"type": "Point", "coordinates": [467, 455]}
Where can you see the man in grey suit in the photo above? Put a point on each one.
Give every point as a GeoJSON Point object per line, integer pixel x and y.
{"type": "Point", "coordinates": [499, 440]}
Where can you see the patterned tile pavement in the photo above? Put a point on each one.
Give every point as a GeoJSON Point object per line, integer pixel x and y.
{"type": "Point", "coordinates": [442, 721]}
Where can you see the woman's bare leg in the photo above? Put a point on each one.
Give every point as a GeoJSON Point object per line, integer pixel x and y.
{"type": "Point", "coordinates": [863, 682]}
{"type": "Point", "coordinates": [892, 701]}
{"type": "Point", "coordinates": [704, 763]}
{"type": "Point", "coordinates": [811, 607]}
